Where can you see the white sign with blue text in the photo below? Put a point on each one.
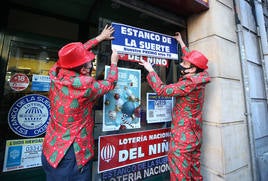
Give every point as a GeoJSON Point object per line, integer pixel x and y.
{"type": "Point", "coordinates": [136, 41]}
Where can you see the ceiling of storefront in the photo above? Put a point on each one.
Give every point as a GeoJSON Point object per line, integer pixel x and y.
{"type": "Point", "coordinates": [89, 11]}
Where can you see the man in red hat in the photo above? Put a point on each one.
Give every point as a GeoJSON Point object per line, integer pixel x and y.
{"type": "Point", "coordinates": [186, 126]}
{"type": "Point", "coordinates": [69, 144]}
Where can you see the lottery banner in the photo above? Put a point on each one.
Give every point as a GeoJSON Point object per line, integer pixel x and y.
{"type": "Point", "coordinates": [122, 150]}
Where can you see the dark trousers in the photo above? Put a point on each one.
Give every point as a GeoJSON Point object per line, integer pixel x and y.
{"type": "Point", "coordinates": [67, 169]}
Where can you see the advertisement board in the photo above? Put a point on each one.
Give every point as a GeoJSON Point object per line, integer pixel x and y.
{"type": "Point", "coordinates": [121, 150]}
{"type": "Point", "coordinates": [137, 41]}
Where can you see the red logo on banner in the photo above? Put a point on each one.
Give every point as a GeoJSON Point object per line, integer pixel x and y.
{"type": "Point", "coordinates": [120, 150]}
{"type": "Point", "coordinates": [136, 58]}
{"type": "Point", "coordinates": [19, 82]}
{"type": "Point", "coordinates": [107, 153]}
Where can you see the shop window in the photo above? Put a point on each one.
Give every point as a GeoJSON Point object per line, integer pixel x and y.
{"type": "Point", "coordinates": [27, 60]}
{"type": "Point", "coordinates": [168, 74]}
{"type": "Point", "coordinates": [26, 78]}
{"type": "Point", "coordinates": [27, 70]}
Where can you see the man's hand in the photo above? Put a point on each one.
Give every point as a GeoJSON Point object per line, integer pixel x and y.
{"type": "Point", "coordinates": [146, 65]}
{"type": "Point", "coordinates": [106, 34]}
{"type": "Point", "coordinates": [179, 39]}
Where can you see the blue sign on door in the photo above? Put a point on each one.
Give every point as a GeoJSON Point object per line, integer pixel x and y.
{"type": "Point", "coordinates": [136, 41]}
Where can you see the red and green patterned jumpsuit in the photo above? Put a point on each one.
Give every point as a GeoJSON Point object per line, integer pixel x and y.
{"type": "Point", "coordinates": [72, 97]}
{"type": "Point", "coordinates": [186, 126]}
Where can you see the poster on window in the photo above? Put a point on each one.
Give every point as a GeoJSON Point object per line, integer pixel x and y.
{"type": "Point", "coordinates": [121, 106]}
{"type": "Point", "coordinates": [22, 154]}
{"type": "Point", "coordinates": [159, 108]}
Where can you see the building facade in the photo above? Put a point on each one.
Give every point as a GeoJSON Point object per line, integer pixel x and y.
{"type": "Point", "coordinates": [234, 36]}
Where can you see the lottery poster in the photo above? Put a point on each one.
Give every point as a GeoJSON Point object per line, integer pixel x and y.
{"type": "Point", "coordinates": [22, 154]}
{"type": "Point", "coordinates": [121, 106]}
{"type": "Point", "coordinates": [159, 108]}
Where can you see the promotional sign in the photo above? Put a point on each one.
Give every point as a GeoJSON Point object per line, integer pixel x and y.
{"type": "Point", "coordinates": [121, 106]}
{"type": "Point", "coordinates": [22, 154]}
{"type": "Point", "coordinates": [29, 115]}
{"type": "Point", "coordinates": [136, 58]}
{"type": "Point", "coordinates": [139, 171]}
{"type": "Point", "coordinates": [19, 82]}
{"type": "Point", "coordinates": [40, 83]}
{"type": "Point", "coordinates": [121, 150]}
{"type": "Point", "coordinates": [159, 108]}
{"type": "Point", "coordinates": [137, 41]}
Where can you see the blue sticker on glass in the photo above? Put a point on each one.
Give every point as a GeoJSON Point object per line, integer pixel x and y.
{"type": "Point", "coordinates": [151, 105]}
{"type": "Point", "coordinates": [14, 156]}
{"type": "Point", "coordinates": [29, 115]}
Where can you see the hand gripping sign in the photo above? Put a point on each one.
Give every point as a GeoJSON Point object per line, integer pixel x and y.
{"type": "Point", "coordinates": [137, 58]}
{"type": "Point", "coordinates": [136, 41]}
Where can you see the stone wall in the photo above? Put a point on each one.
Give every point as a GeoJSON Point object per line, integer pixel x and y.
{"type": "Point", "coordinates": [225, 150]}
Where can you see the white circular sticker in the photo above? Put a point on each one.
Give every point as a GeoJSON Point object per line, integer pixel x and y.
{"type": "Point", "coordinates": [29, 115]}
